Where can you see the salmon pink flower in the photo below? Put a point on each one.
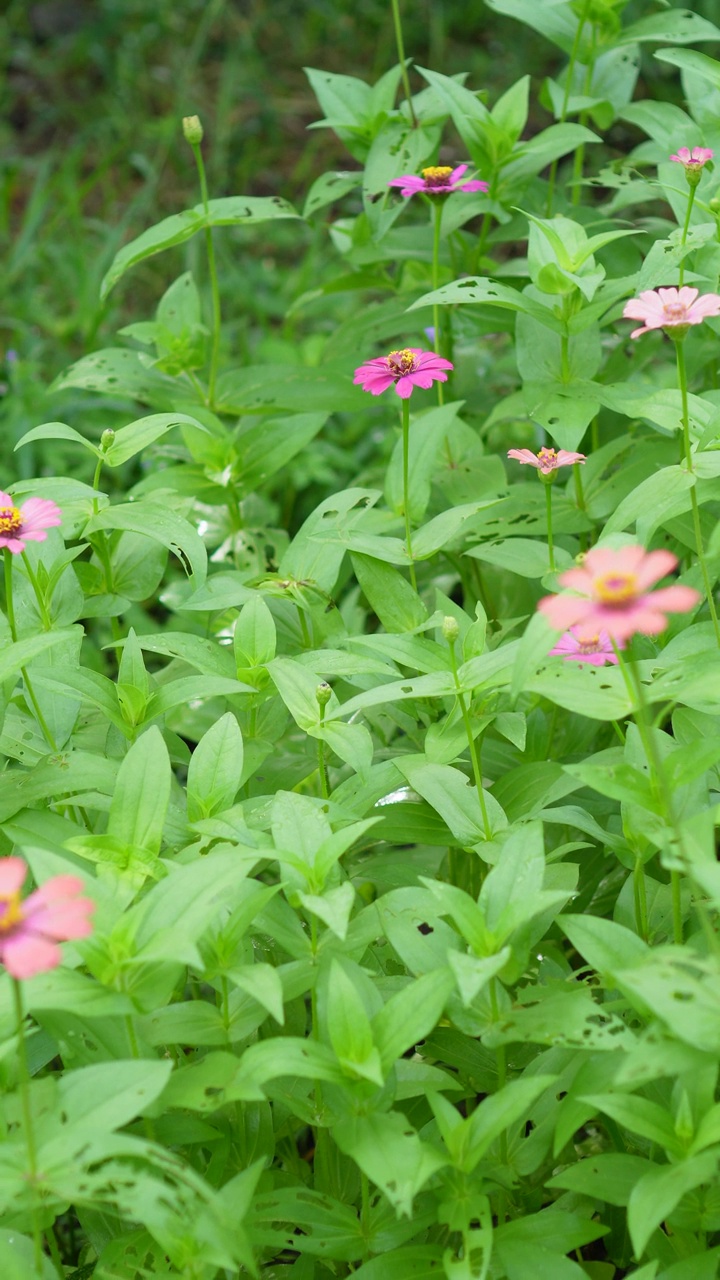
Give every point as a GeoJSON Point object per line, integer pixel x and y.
{"type": "Point", "coordinates": [31, 930]}
{"type": "Point", "coordinates": [547, 460]}
{"type": "Point", "coordinates": [614, 596]}
{"type": "Point", "coordinates": [694, 159]}
{"type": "Point", "coordinates": [670, 309]}
{"type": "Point", "coordinates": [408, 368]}
{"type": "Point", "coordinates": [438, 180]}
{"type": "Point", "coordinates": [27, 523]}
{"type": "Point", "coordinates": [595, 650]}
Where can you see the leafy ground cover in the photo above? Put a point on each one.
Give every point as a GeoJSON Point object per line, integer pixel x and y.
{"type": "Point", "coordinates": [360, 683]}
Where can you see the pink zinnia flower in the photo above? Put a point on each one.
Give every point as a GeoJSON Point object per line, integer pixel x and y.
{"type": "Point", "coordinates": [670, 308]}
{"type": "Point", "coordinates": [547, 460]}
{"type": "Point", "coordinates": [31, 930]}
{"type": "Point", "coordinates": [408, 368]}
{"type": "Point", "coordinates": [27, 523]}
{"type": "Point", "coordinates": [614, 596]}
{"type": "Point", "coordinates": [438, 180]}
{"type": "Point", "coordinates": [597, 650]}
{"type": "Point", "coordinates": [694, 159]}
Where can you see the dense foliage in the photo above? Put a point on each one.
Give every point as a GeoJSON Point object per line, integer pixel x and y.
{"type": "Point", "coordinates": [375, 926]}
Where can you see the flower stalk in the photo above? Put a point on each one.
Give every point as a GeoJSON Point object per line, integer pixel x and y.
{"type": "Point", "coordinates": [685, 413]}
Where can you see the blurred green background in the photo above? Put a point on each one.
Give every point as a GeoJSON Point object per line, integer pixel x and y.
{"type": "Point", "coordinates": [92, 152]}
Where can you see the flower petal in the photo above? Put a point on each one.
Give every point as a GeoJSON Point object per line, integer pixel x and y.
{"type": "Point", "coordinates": [12, 875]}
{"type": "Point", "coordinates": [25, 955]}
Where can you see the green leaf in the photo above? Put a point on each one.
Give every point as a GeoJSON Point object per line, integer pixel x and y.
{"type": "Point", "coordinates": [101, 1098]}
{"type": "Point", "coordinates": [609, 1176]}
{"type": "Point", "coordinates": [605, 945]}
{"type": "Point", "coordinates": [410, 1015]}
{"type": "Point", "coordinates": [179, 227]}
{"type": "Point", "coordinates": [482, 290]}
{"type": "Point", "coordinates": [300, 389]}
{"type": "Point", "coordinates": [57, 431]}
{"type": "Point", "coordinates": [115, 371]}
{"type": "Point", "coordinates": [17, 1257]}
{"type": "Point", "coordinates": [681, 25]}
{"type": "Point", "coordinates": [215, 769]}
{"type": "Point", "coordinates": [138, 435]}
{"type": "Point", "coordinates": [639, 1115]}
{"type": "Point", "coordinates": [263, 448]}
{"type": "Point", "coordinates": [388, 1150]}
{"type": "Point", "coordinates": [349, 1026]}
{"type": "Point", "coordinates": [656, 1194]}
{"type": "Point", "coordinates": [328, 188]}
{"type": "Point", "coordinates": [162, 525]}
{"type": "Point", "coordinates": [496, 1114]}
{"type": "Point", "coordinates": [453, 796]}
{"type": "Point", "coordinates": [142, 793]}
{"type": "Point", "coordinates": [599, 691]}
{"type": "Point", "coordinates": [389, 594]}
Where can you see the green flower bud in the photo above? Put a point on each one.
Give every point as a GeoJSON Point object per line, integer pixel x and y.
{"type": "Point", "coordinates": [107, 439]}
{"type": "Point", "coordinates": [323, 693]}
{"type": "Point", "coordinates": [450, 629]}
{"type": "Point", "coordinates": [192, 130]}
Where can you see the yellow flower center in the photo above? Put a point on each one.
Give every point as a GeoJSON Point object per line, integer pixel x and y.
{"type": "Point", "coordinates": [547, 457]}
{"type": "Point", "coordinates": [591, 645]}
{"type": "Point", "coordinates": [10, 911]}
{"type": "Point", "coordinates": [402, 362]}
{"type": "Point", "coordinates": [437, 175]}
{"type": "Point", "coordinates": [675, 311]}
{"type": "Point", "coordinates": [10, 519]}
{"type": "Point", "coordinates": [616, 588]}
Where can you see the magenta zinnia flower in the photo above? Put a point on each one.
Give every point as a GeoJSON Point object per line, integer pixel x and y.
{"type": "Point", "coordinates": [614, 597]}
{"type": "Point", "coordinates": [27, 523]}
{"type": "Point", "coordinates": [31, 930]}
{"type": "Point", "coordinates": [408, 368]}
{"type": "Point", "coordinates": [438, 180]}
{"type": "Point", "coordinates": [670, 308]}
{"type": "Point", "coordinates": [547, 460]}
{"type": "Point", "coordinates": [596, 650]}
{"type": "Point", "coordinates": [694, 159]}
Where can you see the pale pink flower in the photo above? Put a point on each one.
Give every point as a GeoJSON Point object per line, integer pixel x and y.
{"type": "Point", "coordinates": [595, 650]}
{"type": "Point", "coordinates": [438, 180]}
{"type": "Point", "coordinates": [614, 598]}
{"type": "Point", "coordinates": [27, 523]}
{"type": "Point", "coordinates": [670, 308]}
{"type": "Point", "coordinates": [547, 460]}
{"type": "Point", "coordinates": [694, 159]}
{"type": "Point", "coordinates": [31, 930]}
{"type": "Point", "coordinates": [408, 368]}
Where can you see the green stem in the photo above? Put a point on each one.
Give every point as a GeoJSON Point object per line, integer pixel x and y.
{"type": "Point", "coordinates": [472, 745]}
{"type": "Point", "coordinates": [212, 270]}
{"type": "Point", "coordinates": [437, 224]}
{"type": "Point", "coordinates": [322, 762]}
{"type": "Point", "coordinates": [96, 484]}
{"type": "Point", "coordinates": [682, 380]}
{"type": "Point", "coordinates": [306, 638]}
{"type": "Point", "coordinates": [579, 491]}
{"type": "Point", "coordinates": [548, 517]}
{"type": "Point", "coordinates": [566, 98]}
{"type": "Point", "coordinates": [365, 1213]}
{"type": "Point", "coordinates": [683, 238]}
{"type": "Point", "coordinates": [658, 780]}
{"type": "Point", "coordinates": [42, 606]}
{"type": "Point", "coordinates": [55, 1254]}
{"type": "Point", "coordinates": [640, 894]}
{"type": "Point", "coordinates": [406, 487]}
{"type": "Point", "coordinates": [10, 609]}
{"type": "Point", "coordinates": [565, 355]}
{"type": "Point", "coordinates": [501, 1062]}
{"type": "Point", "coordinates": [401, 59]}
{"type": "Point", "coordinates": [24, 1089]}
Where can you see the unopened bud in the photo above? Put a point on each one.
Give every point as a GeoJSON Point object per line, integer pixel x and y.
{"type": "Point", "coordinates": [193, 130]}
{"type": "Point", "coordinates": [450, 629]}
{"type": "Point", "coordinates": [323, 693]}
{"type": "Point", "coordinates": [713, 206]}
{"type": "Point", "coordinates": [107, 439]}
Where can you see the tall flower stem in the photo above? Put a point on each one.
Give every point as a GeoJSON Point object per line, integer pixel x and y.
{"type": "Point", "coordinates": [437, 224]}
{"type": "Point", "coordinates": [24, 1089]}
{"type": "Point", "coordinates": [472, 745]}
{"type": "Point", "coordinates": [212, 270]}
{"type": "Point", "coordinates": [682, 381]}
{"type": "Point", "coordinates": [566, 99]}
{"type": "Point", "coordinates": [10, 610]}
{"type": "Point", "coordinates": [548, 518]}
{"type": "Point", "coordinates": [658, 779]}
{"type": "Point", "coordinates": [684, 236]}
{"type": "Point", "coordinates": [401, 59]}
{"type": "Point", "coordinates": [406, 487]}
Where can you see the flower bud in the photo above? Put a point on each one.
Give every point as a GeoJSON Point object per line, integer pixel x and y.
{"type": "Point", "coordinates": [107, 439]}
{"type": "Point", "coordinates": [450, 629]}
{"type": "Point", "coordinates": [323, 693]}
{"type": "Point", "coordinates": [193, 130]}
